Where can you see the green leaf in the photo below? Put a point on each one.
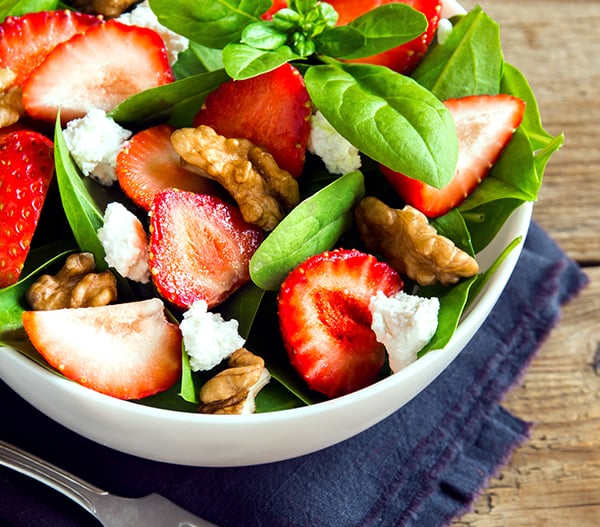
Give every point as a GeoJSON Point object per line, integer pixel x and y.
{"type": "Point", "coordinates": [386, 27]}
{"type": "Point", "coordinates": [389, 117]}
{"type": "Point", "coordinates": [313, 226]}
{"type": "Point", "coordinates": [22, 7]}
{"type": "Point", "coordinates": [242, 61]}
{"type": "Point", "coordinates": [176, 102]}
{"type": "Point", "coordinates": [468, 63]}
{"type": "Point", "coordinates": [262, 35]}
{"type": "Point", "coordinates": [339, 41]}
{"type": "Point", "coordinates": [83, 215]}
{"type": "Point", "coordinates": [197, 59]}
{"type": "Point", "coordinates": [213, 24]}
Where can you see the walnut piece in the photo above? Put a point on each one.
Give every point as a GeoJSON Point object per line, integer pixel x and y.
{"type": "Point", "coordinates": [11, 98]}
{"type": "Point", "coordinates": [411, 245]}
{"type": "Point", "coordinates": [107, 8]}
{"type": "Point", "coordinates": [263, 191]}
{"type": "Point", "coordinates": [75, 285]}
{"type": "Point", "coordinates": [233, 390]}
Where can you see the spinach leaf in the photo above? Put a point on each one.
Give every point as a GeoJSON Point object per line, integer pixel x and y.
{"type": "Point", "coordinates": [242, 61]}
{"type": "Point", "coordinates": [22, 7]}
{"type": "Point", "coordinates": [468, 63]}
{"type": "Point", "coordinates": [313, 226]}
{"type": "Point", "coordinates": [388, 117]}
{"type": "Point", "coordinates": [208, 22]}
{"type": "Point", "coordinates": [197, 59]}
{"type": "Point", "coordinates": [83, 215]}
{"type": "Point", "coordinates": [177, 102]}
{"type": "Point", "coordinates": [386, 27]}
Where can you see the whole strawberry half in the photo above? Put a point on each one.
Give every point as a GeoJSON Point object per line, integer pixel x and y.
{"type": "Point", "coordinates": [484, 124]}
{"type": "Point", "coordinates": [26, 170]}
{"type": "Point", "coordinates": [200, 247]}
{"type": "Point", "coordinates": [99, 68]}
{"type": "Point", "coordinates": [325, 319]}
{"type": "Point", "coordinates": [271, 110]}
{"type": "Point", "coordinates": [128, 351]}
{"type": "Point", "coordinates": [26, 40]}
{"type": "Point", "coordinates": [405, 57]}
{"type": "Point", "coordinates": [148, 163]}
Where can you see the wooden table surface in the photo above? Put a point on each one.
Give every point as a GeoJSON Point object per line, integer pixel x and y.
{"type": "Point", "coordinates": [554, 478]}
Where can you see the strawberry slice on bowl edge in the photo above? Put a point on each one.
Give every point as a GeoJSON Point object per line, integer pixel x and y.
{"type": "Point", "coordinates": [200, 247]}
{"type": "Point", "coordinates": [325, 321]}
{"type": "Point", "coordinates": [26, 170]}
{"type": "Point", "coordinates": [99, 68]}
{"type": "Point", "coordinates": [485, 125]}
{"type": "Point", "coordinates": [147, 164]}
{"type": "Point", "coordinates": [271, 110]}
{"type": "Point", "coordinates": [128, 351]}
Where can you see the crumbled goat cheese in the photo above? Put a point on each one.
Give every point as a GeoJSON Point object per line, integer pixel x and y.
{"type": "Point", "coordinates": [444, 29]}
{"type": "Point", "coordinates": [143, 16]}
{"type": "Point", "coordinates": [125, 243]}
{"type": "Point", "coordinates": [207, 337]}
{"type": "Point", "coordinates": [403, 323]}
{"type": "Point", "coordinates": [94, 141]}
{"type": "Point", "coordinates": [339, 156]}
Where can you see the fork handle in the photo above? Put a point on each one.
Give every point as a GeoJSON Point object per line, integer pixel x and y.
{"type": "Point", "coordinates": [71, 486]}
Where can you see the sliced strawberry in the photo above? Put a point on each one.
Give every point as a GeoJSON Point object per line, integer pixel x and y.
{"type": "Point", "coordinates": [325, 319]}
{"type": "Point", "coordinates": [271, 110]}
{"type": "Point", "coordinates": [96, 69]}
{"type": "Point", "coordinates": [26, 170]}
{"type": "Point", "coordinates": [26, 40]}
{"type": "Point", "coordinates": [148, 163]}
{"type": "Point", "coordinates": [200, 247]}
{"type": "Point", "coordinates": [485, 124]}
{"type": "Point", "coordinates": [127, 351]}
{"type": "Point", "coordinates": [404, 58]}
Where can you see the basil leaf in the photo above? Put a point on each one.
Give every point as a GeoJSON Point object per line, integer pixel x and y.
{"type": "Point", "coordinates": [177, 102]}
{"type": "Point", "coordinates": [208, 22]}
{"type": "Point", "coordinates": [263, 35]}
{"type": "Point", "coordinates": [313, 226]}
{"type": "Point", "coordinates": [81, 211]}
{"type": "Point", "coordinates": [468, 63]}
{"type": "Point", "coordinates": [22, 7]}
{"type": "Point", "coordinates": [242, 61]}
{"type": "Point", "coordinates": [339, 41]}
{"type": "Point", "coordinates": [387, 27]}
{"type": "Point", "coordinates": [389, 117]}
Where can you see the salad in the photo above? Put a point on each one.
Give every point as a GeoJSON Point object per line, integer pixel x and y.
{"type": "Point", "coordinates": [425, 131]}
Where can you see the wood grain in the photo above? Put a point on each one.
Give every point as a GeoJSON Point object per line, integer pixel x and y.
{"type": "Point", "coordinates": [553, 480]}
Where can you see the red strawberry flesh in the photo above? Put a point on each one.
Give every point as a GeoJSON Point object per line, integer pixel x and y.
{"type": "Point", "coordinates": [128, 351]}
{"type": "Point", "coordinates": [200, 247]}
{"type": "Point", "coordinates": [96, 69]}
{"type": "Point", "coordinates": [26, 171]}
{"type": "Point", "coordinates": [325, 319]}
{"type": "Point", "coordinates": [148, 164]}
{"type": "Point", "coordinates": [26, 40]}
{"type": "Point", "coordinates": [271, 110]}
{"type": "Point", "coordinates": [485, 125]}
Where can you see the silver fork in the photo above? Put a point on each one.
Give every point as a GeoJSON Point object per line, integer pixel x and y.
{"type": "Point", "coordinates": [153, 510]}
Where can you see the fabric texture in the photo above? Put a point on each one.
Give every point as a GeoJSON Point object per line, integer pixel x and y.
{"type": "Point", "coordinates": [422, 466]}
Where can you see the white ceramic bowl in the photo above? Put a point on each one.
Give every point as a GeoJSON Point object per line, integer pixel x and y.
{"type": "Point", "coordinates": [234, 440]}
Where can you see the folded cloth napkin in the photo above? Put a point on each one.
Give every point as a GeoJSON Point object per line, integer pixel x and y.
{"type": "Point", "coordinates": [422, 466]}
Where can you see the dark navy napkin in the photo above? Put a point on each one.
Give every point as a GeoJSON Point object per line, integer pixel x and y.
{"type": "Point", "coordinates": [422, 466]}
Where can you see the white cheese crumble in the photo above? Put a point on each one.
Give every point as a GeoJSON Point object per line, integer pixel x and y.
{"type": "Point", "coordinates": [143, 16]}
{"type": "Point", "coordinates": [125, 243]}
{"type": "Point", "coordinates": [404, 324]}
{"type": "Point", "coordinates": [249, 405]}
{"type": "Point", "coordinates": [338, 155]}
{"type": "Point", "coordinates": [444, 29]}
{"type": "Point", "coordinates": [94, 141]}
{"type": "Point", "coordinates": [208, 338]}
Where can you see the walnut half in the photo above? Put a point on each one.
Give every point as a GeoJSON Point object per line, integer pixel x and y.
{"type": "Point", "coordinates": [11, 98]}
{"type": "Point", "coordinates": [411, 245]}
{"type": "Point", "coordinates": [75, 285]}
{"type": "Point", "coordinates": [233, 390]}
{"type": "Point", "coordinates": [263, 191]}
